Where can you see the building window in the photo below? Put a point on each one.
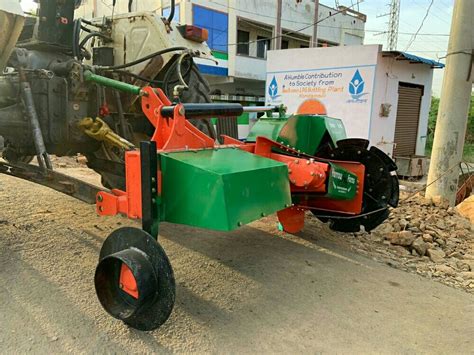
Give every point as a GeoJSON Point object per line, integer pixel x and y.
{"type": "Point", "coordinates": [216, 23]}
{"type": "Point", "coordinates": [304, 46]}
{"type": "Point", "coordinates": [263, 45]}
{"type": "Point", "coordinates": [243, 38]}
{"type": "Point", "coordinates": [284, 44]}
{"type": "Point", "coordinates": [166, 12]}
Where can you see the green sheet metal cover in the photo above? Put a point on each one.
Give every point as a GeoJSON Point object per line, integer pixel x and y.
{"type": "Point", "coordinates": [301, 132]}
{"type": "Point", "coordinates": [221, 189]}
{"type": "Point", "coordinates": [335, 128]}
{"type": "Point", "coordinates": [266, 127]}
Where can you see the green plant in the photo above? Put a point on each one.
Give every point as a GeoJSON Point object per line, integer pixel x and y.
{"type": "Point", "coordinates": [469, 141]}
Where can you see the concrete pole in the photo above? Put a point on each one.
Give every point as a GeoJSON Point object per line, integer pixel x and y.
{"type": "Point", "coordinates": [454, 105]}
{"type": "Point", "coordinates": [314, 40]}
{"type": "Point", "coordinates": [278, 32]}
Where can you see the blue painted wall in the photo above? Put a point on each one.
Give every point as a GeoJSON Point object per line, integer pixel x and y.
{"type": "Point", "coordinates": [217, 23]}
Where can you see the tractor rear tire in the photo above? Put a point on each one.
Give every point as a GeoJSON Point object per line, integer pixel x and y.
{"type": "Point", "coordinates": [198, 92]}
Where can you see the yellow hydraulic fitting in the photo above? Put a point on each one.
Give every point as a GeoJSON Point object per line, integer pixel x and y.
{"type": "Point", "coordinates": [99, 130]}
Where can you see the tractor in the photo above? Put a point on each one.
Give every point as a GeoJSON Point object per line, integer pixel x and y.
{"type": "Point", "coordinates": [125, 92]}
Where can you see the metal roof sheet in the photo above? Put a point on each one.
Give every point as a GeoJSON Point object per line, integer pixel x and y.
{"type": "Point", "coordinates": [413, 58]}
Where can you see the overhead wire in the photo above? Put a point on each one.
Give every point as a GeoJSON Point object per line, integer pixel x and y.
{"type": "Point", "coordinates": [433, 13]}
{"type": "Point", "coordinates": [327, 26]}
{"type": "Point", "coordinates": [421, 26]}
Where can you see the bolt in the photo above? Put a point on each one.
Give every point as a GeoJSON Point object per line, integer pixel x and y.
{"type": "Point", "coordinates": [297, 161]}
{"type": "Point", "coordinates": [100, 198]}
{"type": "Point", "coordinates": [312, 173]}
{"type": "Point", "coordinates": [153, 200]}
{"type": "Point", "coordinates": [289, 171]}
{"type": "Point", "coordinates": [383, 197]}
{"type": "Point", "coordinates": [153, 180]}
{"type": "Point", "coordinates": [293, 181]}
{"type": "Point", "coordinates": [240, 224]}
{"type": "Point", "coordinates": [121, 285]}
{"type": "Point", "coordinates": [153, 190]}
{"type": "Point", "coordinates": [381, 169]}
{"type": "Point", "coordinates": [287, 205]}
{"type": "Point", "coordinates": [307, 162]}
{"type": "Point", "coordinates": [359, 152]}
{"type": "Point", "coordinates": [263, 214]}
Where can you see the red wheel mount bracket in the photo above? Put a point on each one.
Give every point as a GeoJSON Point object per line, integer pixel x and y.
{"type": "Point", "coordinates": [292, 219]}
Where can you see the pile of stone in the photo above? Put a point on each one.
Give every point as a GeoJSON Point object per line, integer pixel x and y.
{"type": "Point", "coordinates": [430, 238]}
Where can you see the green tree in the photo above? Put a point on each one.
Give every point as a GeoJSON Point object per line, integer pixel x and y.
{"type": "Point", "coordinates": [469, 142]}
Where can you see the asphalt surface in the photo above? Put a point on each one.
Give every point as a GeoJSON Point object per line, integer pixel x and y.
{"type": "Point", "coordinates": [252, 290]}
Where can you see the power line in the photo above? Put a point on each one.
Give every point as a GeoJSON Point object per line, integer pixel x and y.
{"type": "Point", "coordinates": [434, 14]}
{"type": "Point", "coordinates": [421, 25]}
{"type": "Point", "coordinates": [327, 26]}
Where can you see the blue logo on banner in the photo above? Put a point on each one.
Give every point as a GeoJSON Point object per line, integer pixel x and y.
{"type": "Point", "coordinates": [356, 86]}
{"type": "Point", "coordinates": [273, 89]}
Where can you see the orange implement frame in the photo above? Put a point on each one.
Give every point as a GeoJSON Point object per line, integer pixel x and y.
{"type": "Point", "coordinates": [175, 133]}
{"type": "Point", "coordinates": [170, 134]}
{"type": "Point", "coordinates": [127, 202]}
{"type": "Point", "coordinates": [307, 175]}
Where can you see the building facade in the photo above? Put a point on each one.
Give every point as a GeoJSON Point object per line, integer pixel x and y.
{"type": "Point", "coordinates": [242, 31]}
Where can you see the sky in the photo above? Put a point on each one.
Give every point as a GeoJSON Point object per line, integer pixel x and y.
{"type": "Point", "coordinates": [427, 44]}
{"type": "Point", "coordinates": [432, 41]}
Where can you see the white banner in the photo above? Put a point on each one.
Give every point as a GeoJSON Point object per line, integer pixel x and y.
{"type": "Point", "coordinates": [336, 81]}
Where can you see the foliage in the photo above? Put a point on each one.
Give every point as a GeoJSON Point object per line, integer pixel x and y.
{"type": "Point", "coordinates": [469, 142]}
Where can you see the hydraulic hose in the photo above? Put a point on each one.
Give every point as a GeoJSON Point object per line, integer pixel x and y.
{"type": "Point", "coordinates": [149, 56]}
{"type": "Point", "coordinates": [93, 34]}
{"type": "Point", "coordinates": [178, 69]}
{"type": "Point", "coordinates": [171, 15]}
{"type": "Point", "coordinates": [75, 38]}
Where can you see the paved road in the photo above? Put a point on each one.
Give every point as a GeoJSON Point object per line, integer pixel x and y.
{"type": "Point", "coordinates": [253, 290]}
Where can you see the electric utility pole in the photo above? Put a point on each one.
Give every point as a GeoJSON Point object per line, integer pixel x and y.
{"type": "Point", "coordinates": [278, 32]}
{"type": "Point", "coordinates": [393, 25]}
{"type": "Point", "coordinates": [454, 105]}
{"type": "Point", "coordinates": [314, 40]}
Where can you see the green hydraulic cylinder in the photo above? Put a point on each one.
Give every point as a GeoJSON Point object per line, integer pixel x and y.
{"type": "Point", "coordinates": [111, 83]}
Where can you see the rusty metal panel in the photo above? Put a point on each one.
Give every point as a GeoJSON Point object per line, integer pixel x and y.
{"type": "Point", "coordinates": [408, 118]}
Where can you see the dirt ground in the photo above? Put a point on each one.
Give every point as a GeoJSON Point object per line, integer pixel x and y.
{"type": "Point", "coordinates": [252, 290]}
